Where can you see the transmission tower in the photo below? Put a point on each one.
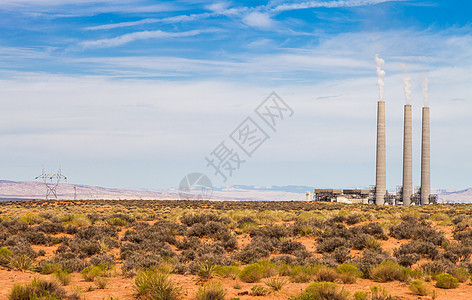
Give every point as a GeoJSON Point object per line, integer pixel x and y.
{"type": "Point", "coordinates": [51, 181]}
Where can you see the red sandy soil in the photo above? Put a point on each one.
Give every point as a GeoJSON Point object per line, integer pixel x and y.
{"type": "Point", "coordinates": [308, 242]}
{"type": "Point", "coordinates": [392, 243]}
{"type": "Point", "coordinates": [49, 250]}
{"type": "Point", "coordinates": [122, 288]}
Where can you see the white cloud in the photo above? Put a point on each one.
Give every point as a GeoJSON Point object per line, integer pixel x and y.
{"type": "Point", "coordinates": [140, 35]}
{"type": "Point", "coordinates": [218, 6]}
{"type": "Point", "coordinates": [258, 20]}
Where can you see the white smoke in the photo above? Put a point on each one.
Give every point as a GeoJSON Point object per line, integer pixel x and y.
{"type": "Point", "coordinates": [425, 90]}
{"type": "Point", "coordinates": [380, 76]}
{"type": "Point", "coordinates": [407, 85]}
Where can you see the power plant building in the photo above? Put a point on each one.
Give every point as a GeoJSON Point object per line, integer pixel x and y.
{"type": "Point", "coordinates": [342, 196]}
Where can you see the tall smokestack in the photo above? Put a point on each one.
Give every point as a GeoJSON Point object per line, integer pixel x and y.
{"type": "Point", "coordinates": [407, 157]}
{"type": "Point", "coordinates": [407, 189]}
{"type": "Point", "coordinates": [425, 149]}
{"type": "Point", "coordinates": [425, 159]}
{"type": "Point", "coordinates": [380, 175]}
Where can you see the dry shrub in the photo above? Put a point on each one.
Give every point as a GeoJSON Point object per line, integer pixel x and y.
{"type": "Point", "coordinates": [259, 290]}
{"type": "Point", "coordinates": [50, 268]}
{"type": "Point", "coordinates": [289, 247]}
{"type": "Point", "coordinates": [361, 295]}
{"type": "Point", "coordinates": [21, 261]}
{"type": "Point", "coordinates": [228, 271]}
{"type": "Point", "coordinates": [63, 277]}
{"type": "Point", "coordinates": [370, 259]}
{"type": "Point", "coordinates": [348, 273]}
{"type": "Point", "coordinates": [91, 272]}
{"type": "Point", "coordinates": [410, 228]}
{"type": "Point", "coordinates": [446, 281]}
{"type": "Point", "coordinates": [387, 271]}
{"type": "Point", "coordinates": [438, 266]}
{"type": "Point", "coordinates": [156, 286]}
{"type": "Point", "coordinates": [324, 290]}
{"type": "Point", "coordinates": [211, 291]}
{"type": "Point", "coordinates": [419, 287]}
{"type": "Point", "coordinates": [101, 282]}
{"type": "Point", "coordinates": [206, 270]}
{"type": "Point", "coordinates": [275, 283]}
{"type": "Point", "coordinates": [341, 254]}
{"type": "Point", "coordinates": [380, 293]}
{"type": "Point", "coordinates": [418, 247]}
{"type": "Point", "coordinates": [255, 272]}
{"type": "Point", "coordinates": [327, 274]}
{"type": "Point", "coordinates": [330, 244]}
{"type": "Point", "coordinates": [37, 289]}
{"type": "Point", "coordinates": [461, 274]}
{"type": "Point", "coordinates": [301, 274]}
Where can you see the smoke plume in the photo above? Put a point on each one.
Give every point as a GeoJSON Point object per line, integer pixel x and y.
{"type": "Point", "coordinates": [380, 76]}
{"type": "Point", "coordinates": [407, 85]}
{"type": "Point", "coordinates": [425, 90]}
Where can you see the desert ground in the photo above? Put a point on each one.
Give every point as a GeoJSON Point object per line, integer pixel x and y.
{"type": "Point", "coordinates": [141, 249]}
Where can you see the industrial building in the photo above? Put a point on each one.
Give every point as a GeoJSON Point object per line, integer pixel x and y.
{"type": "Point", "coordinates": [343, 196]}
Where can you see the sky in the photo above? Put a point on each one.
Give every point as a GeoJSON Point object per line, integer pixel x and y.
{"type": "Point", "coordinates": [138, 94]}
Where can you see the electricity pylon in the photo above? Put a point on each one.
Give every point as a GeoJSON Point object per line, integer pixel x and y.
{"type": "Point", "coordinates": [51, 181]}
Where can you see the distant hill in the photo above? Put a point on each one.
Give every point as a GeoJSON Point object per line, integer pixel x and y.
{"type": "Point", "coordinates": [462, 196]}
{"type": "Point", "coordinates": [37, 190]}
{"type": "Point", "coordinates": [27, 190]}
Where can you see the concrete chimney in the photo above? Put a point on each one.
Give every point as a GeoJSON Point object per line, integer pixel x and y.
{"type": "Point", "coordinates": [380, 176]}
{"type": "Point", "coordinates": [425, 159]}
{"type": "Point", "coordinates": [407, 157]}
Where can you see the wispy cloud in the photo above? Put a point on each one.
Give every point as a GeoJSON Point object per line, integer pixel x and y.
{"type": "Point", "coordinates": [140, 35]}
{"type": "Point", "coordinates": [169, 20]}
{"type": "Point", "coordinates": [327, 4]}
{"type": "Point", "coordinates": [51, 2]}
{"type": "Point", "coordinates": [258, 16]}
{"type": "Point", "coordinates": [79, 8]}
{"type": "Point", "coordinates": [22, 52]}
{"type": "Point", "coordinates": [343, 54]}
{"type": "Point", "coordinates": [263, 42]}
{"type": "Point", "coordinates": [123, 24]}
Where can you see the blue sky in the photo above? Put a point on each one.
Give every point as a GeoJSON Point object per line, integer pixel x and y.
{"type": "Point", "coordinates": [131, 93]}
